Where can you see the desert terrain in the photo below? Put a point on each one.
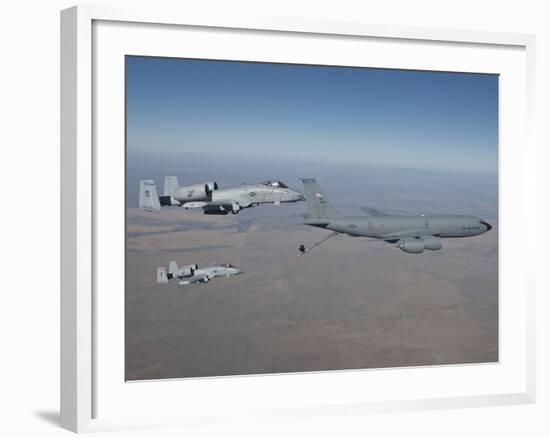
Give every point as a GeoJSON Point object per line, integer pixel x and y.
{"type": "Point", "coordinates": [349, 303]}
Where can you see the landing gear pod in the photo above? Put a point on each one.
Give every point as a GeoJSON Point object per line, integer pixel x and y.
{"type": "Point", "coordinates": [235, 208]}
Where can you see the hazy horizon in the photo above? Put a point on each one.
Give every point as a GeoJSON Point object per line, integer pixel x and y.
{"type": "Point", "coordinates": [407, 191]}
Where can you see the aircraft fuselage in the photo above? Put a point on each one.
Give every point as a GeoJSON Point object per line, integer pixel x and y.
{"type": "Point", "coordinates": [255, 194]}
{"type": "Point", "coordinates": [405, 226]}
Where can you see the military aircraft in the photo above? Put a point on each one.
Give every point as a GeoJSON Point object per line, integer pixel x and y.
{"type": "Point", "coordinates": [190, 274]}
{"type": "Point", "coordinates": [411, 234]}
{"type": "Point", "coordinates": [213, 200]}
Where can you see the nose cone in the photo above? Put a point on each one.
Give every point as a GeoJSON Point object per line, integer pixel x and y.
{"type": "Point", "coordinates": [486, 225]}
{"type": "Point", "coordinates": [234, 271]}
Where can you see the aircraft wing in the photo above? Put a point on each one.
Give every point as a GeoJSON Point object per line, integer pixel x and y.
{"type": "Point", "coordinates": [372, 211]}
{"type": "Point", "coordinates": [194, 279]}
{"type": "Point", "coordinates": [407, 233]}
{"type": "Point", "coordinates": [205, 204]}
{"type": "Point", "coordinates": [223, 207]}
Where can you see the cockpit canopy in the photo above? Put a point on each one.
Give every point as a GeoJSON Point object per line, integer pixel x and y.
{"type": "Point", "coordinates": [227, 265]}
{"type": "Point", "coordinates": [277, 184]}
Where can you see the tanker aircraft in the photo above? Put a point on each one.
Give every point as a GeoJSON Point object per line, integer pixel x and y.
{"type": "Point", "coordinates": [190, 274]}
{"type": "Point", "coordinates": [411, 234]}
{"type": "Point", "coordinates": [211, 199]}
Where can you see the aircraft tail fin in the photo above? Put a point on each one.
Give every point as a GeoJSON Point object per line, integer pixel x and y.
{"type": "Point", "coordinates": [171, 183]}
{"type": "Point", "coordinates": [172, 267]}
{"type": "Point", "coordinates": [317, 203]}
{"type": "Point", "coordinates": [161, 275]}
{"type": "Point", "coordinates": [148, 196]}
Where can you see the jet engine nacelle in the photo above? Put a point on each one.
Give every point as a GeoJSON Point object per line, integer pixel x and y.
{"type": "Point", "coordinates": [213, 185]}
{"type": "Point", "coordinates": [432, 243]}
{"type": "Point", "coordinates": [412, 246]}
{"type": "Point", "coordinates": [195, 192]}
{"type": "Point", "coordinates": [185, 271]}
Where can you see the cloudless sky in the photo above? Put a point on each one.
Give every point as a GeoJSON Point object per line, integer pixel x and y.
{"type": "Point", "coordinates": [371, 117]}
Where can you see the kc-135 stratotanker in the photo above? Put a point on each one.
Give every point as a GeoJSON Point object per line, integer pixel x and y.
{"type": "Point", "coordinates": [211, 199]}
{"type": "Point", "coordinates": [411, 234]}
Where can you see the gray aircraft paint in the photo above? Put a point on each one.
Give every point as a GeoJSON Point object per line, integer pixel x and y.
{"type": "Point", "coordinates": [213, 200]}
{"type": "Point", "coordinates": [190, 274]}
{"type": "Point", "coordinates": [249, 194]}
{"type": "Point", "coordinates": [412, 233]}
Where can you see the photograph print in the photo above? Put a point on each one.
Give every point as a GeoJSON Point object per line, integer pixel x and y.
{"type": "Point", "coordinates": [285, 218]}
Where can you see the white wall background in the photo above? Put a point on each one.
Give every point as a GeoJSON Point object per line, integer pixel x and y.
{"type": "Point", "coordinates": [29, 218]}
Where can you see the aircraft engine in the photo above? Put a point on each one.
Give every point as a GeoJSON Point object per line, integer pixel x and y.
{"type": "Point", "coordinates": [213, 185]}
{"type": "Point", "coordinates": [412, 246]}
{"type": "Point", "coordinates": [432, 243]}
{"type": "Point", "coordinates": [186, 271]}
{"type": "Point", "coordinates": [195, 192]}
{"type": "Point", "coordinates": [190, 269]}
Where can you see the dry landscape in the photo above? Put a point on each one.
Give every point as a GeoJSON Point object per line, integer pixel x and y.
{"type": "Point", "coordinates": [350, 303]}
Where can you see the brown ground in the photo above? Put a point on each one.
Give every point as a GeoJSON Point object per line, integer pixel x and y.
{"type": "Point", "coordinates": [350, 303]}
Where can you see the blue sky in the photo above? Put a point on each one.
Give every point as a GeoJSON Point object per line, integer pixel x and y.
{"type": "Point", "coordinates": [365, 117]}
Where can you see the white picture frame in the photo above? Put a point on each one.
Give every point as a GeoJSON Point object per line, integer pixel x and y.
{"type": "Point", "coordinates": [81, 172]}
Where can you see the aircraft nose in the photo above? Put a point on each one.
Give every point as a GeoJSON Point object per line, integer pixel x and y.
{"type": "Point", "coordinates": [487, 225]}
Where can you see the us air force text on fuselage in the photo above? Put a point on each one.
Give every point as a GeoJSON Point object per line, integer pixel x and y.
{"type": "Point", "coordinates": [209, 198]}
{"type": "Point", "coordinates": [411, 234]}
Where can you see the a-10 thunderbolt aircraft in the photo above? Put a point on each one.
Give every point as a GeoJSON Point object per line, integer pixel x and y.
{"type": "Point", "coordinates": [411, 234]}
{"type": "Point", "coordinates": [190, 274]}
{"type": "Point", "coordinates": [211, 199]}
